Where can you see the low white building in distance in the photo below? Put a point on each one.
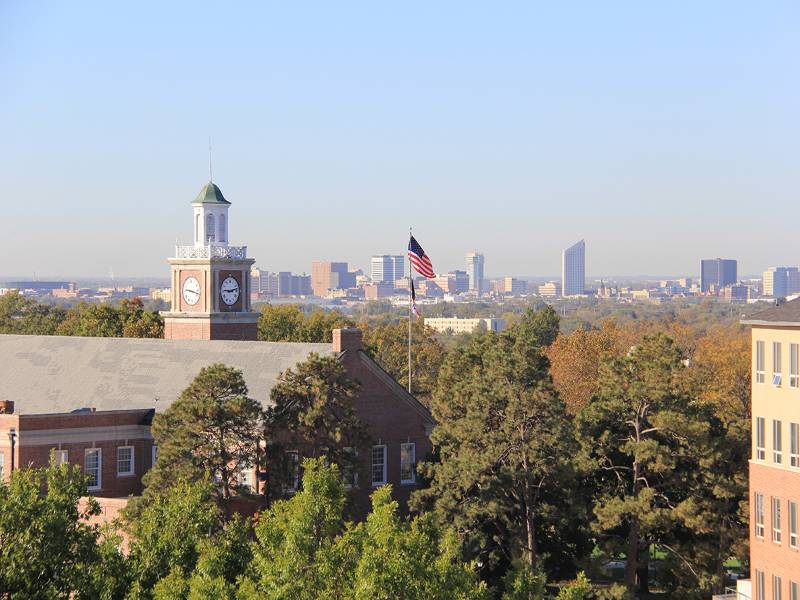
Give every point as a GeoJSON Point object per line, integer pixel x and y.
{"type": "Point", "coordinates": [551, 289]}
{"type": "Point", "coordinates": [456, 325]}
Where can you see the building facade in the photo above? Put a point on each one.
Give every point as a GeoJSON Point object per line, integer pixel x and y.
{"type": "Point", "coordinates": [551, 289]}
{"type": "Point", "coordinates": [330, 276]}
{"type": "Point", "coordinates": [775, 460]}
{"type": "Point", "coordinates": [573, 270]}
{"type": "Point", "coordinates": [716, 273]}
{"type": "Point", "coordinates": [780, 282]}
{"type": "Point", "coordinates": [387, 268]}
{"type": "Point", "coordinates": [456, 325]}
{"type": "Point", "coordinates": [475, 262]}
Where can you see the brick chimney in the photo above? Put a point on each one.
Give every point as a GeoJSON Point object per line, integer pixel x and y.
{"type": "Point", "coordinates": [6, 407]}
{"type": "Point", "coordinates": [348, 338]}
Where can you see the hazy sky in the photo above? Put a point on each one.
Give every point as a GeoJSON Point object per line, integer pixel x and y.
{"type": "Point", "coordinates": [659, 132]}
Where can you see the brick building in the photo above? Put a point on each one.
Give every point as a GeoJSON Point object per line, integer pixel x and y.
{"type": "Point", "coordinates": [775, 460]}
{"type": "Point", "coordinates": [91, 400]}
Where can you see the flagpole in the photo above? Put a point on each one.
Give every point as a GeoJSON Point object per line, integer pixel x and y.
{"type": "Point", "coordinates": [409, 314]}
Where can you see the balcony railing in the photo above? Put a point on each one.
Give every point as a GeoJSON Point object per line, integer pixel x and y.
{"type": "Point", "coordinates": [211, 251]}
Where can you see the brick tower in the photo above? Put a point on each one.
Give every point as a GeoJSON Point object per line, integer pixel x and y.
{"type": "Point", "coordinates": [210, 297]}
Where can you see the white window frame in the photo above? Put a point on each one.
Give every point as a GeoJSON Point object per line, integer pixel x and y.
{"type": "Point", "coordinates": [293, 471]}
{"type": "Point", "coordinates": [776, 587]}
{"type": "Point", "coordinates": [777, 371]}
{"type": "Point", "coordinates": [245, 479]}
{"type": "Point", "coordinates": [760, 587]}
{"type": "Point", "coordinates": [2, 464]}
{"type": "Point", "coordinates": [99, 478]}
{"type": "Point", "coordinates": [132, 470]}
{"type": "Point", "coordinates": [794, 365]}
{"type": "Point", "coordinates": [758, 513]}
{"type": "Point", "coordinates": [760, 361]}
{"type": "Point", "coordinates": [792, 524]}
{"type": "Point", "coordinates": [777, 441]}
{"type": "Point", "coordinates": [60, 456]}
{"type": "Point", "coordinates": [761, 442]}
{"type": "Point", "coordinates": [404, 464]}
{"type": "Point", "coordinates": [775, 519]}
{"type": "Point", "coordinates": [794, 444]}
{"type": "Point", "coordinates": [153, 455]}
{"type": "Point", "coordinates": [373, 464]}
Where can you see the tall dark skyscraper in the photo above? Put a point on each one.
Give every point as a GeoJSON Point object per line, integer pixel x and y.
{"type": "Point", "coordinates": [718, 272]}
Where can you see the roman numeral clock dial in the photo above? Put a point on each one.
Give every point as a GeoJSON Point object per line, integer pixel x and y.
{"type": "Point", "coordinates": [229, 291]}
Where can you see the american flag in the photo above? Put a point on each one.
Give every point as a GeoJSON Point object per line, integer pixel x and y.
{"type": "Point", "coordinates": [419, 260]}
{"type": "Point", "coordinates": [414, 301]}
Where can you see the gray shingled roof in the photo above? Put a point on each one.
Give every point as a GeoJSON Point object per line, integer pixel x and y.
{"type": "Point", "coordinates": [51, 374]}
{"type": "Point", "coordinates": [783, 314]}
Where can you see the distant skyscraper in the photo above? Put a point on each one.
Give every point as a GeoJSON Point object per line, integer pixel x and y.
{"type": "Point", "coordinates": [475, 271]}
{"type": "Point", "coordinates": [573, 270]}
{"type": "Point", "coordinates": [780, 282]}
{"type": "Point", "coordinates": [717, 272]}
{"type": "Point", "coordinates": [387, 268]}
{"type": "Point", "coordinates": [326, 276]}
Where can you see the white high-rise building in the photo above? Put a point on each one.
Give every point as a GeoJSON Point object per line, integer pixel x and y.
{"type": "Point", "coordinates": [573, 270]}
{"type": "Point", "coordinates": [475, 271]}
{"type": "Point", "coordinates": [386, 268]}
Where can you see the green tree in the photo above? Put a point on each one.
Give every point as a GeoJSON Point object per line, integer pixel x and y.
{"type": "Point", "coordinates": [640, 436]}
{"type": "Point", "coordinates": [46, 547]}
{"type": "Point", "coordinates": [313, 408]}
{"type": "Point", "coordinates": [21, 315]}
{"type": "Point", "coordinates": [289, 323]}
{"type": "Point", "coordinates": [168, 533]}
{"type": "Point", "coordinates": [505, 443]}
{"type": "Point", "coordinates": [388, 345]}
{"type": "Point", "coordinates": [129, 319]}
{"type": "Point", "coordinates": [212, 430]}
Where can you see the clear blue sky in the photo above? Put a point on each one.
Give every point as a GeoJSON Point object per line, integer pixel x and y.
{"type": "Point", "coordinates": [659, 132]}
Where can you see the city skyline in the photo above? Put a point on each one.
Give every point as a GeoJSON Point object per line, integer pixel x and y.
{"type": "Point", "coordinates": [513, 129]}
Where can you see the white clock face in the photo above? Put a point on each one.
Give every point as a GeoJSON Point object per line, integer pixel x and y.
{"type": "Point", "coordinates": [229, 291]}
{"type": "Point", "coordinates": [191, 291]}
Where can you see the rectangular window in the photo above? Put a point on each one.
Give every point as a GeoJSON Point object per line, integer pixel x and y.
{"type": "Point", "coordinates": [794, 444]}
{"type": "Point", "coordinates": [408, 462]}
{"type": "Point", "coordinates": [125, 460]}
{"type": "Point", "coordinates": [776, 520]}
{"type": "Point", "coordinates": [759, 514]}
{"type": "Point", "coordinates": [93, 467]}
{"type": "Point", "coordinates": [292, 471]}
{"type": "Point", "coordinates": [794, 365]}
{"type": "Point", "coordinates": [777, 443]}
{"type": "Point", "coordinates": [244, 480]}
{"type": "Point", "coordinates": [793, 524]}
{"type": "Point", "coordinates": [378, 465]}
{"type": "Point", "coordinates": [794, 591]}
{"type": "Point", "coordinates": [776, 587]}
{"type": "Point", "coordinates": [776, 364]}
{"type": "Point", "coordinates": [760, 587]}
{"type": "Point", "coordinates": [153, 455]}
{"type": "Point", "coordinates": [760, 362]}
{"type": "Point", "coordinates": [350, 472]}
{"type": "Point", "coordinates": [61, 457]}
{"type": "Point", "coordinates": [2, 465]}
{"type": "Point", "coordinates": [761, 450]}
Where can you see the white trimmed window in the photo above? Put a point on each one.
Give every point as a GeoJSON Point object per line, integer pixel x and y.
{"type": "Point", "coordinates": [776, 364]}
{"type": "Point", "coordinates": [350, 473]}
{"type": "Point", "coordinates": [292, 471]}
{"type": "Point", "coordinates": [153, 455]}
{"type": "Point", "coordinates": [776, 520]}
{"type": "Point", "coordinates": [794, 591]}
{"type": "Point", "coordinates": [245, 479]}
{"type": "Point", "coordinates": [793, 524]}
{"type": "Point", "coordinates": [761, 593]}
{"type": "Point", "coordinates": [794, 365]}
{"type": "Point", "coordinates": [759, 514]}
{"type": "Point", "coordinates": [378, 465]}
{"type": "Point", "coordinates": [93, 467]}
{"type": "Point", "coordinates": [761, 444]}
{"type": "Point", "coordinates": [776, 588]}
{"type": "Point", "coordinates": [61, 457]}
{"type": "Point", "coordinates": [125, 460]}
{"type": "Point", "coordinates": [777, 442]}
{"type": "Point", "coordinates": [794, 444]}
{"type": "Point", "coordinates": [408, 462]}
{"type": "Point", "coordinates": [760, 362]}
{"type": "Point", "coordinates": [2, 465]}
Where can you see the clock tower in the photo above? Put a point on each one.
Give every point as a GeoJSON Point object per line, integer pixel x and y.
{"type": "Point", "coordinates": [210, 297]}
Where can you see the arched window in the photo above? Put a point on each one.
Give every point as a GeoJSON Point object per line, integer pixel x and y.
{"type": "Point", "coordinates": [209, 227]}
{"type": "Point", "coordinates": [221, 236]}
{"type": "Point", "coordinates": [198, 228]}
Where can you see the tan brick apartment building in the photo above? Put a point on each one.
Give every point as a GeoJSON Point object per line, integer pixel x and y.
{"type": "Point", "coordinates": [775, 460]}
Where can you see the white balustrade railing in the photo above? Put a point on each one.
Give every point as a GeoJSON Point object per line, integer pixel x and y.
{"type": "Point", "coordinates": [211, 251]}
